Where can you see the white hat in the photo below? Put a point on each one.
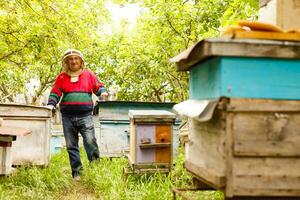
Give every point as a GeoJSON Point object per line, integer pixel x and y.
{"type": "Point", "coordinates": [72, 52]}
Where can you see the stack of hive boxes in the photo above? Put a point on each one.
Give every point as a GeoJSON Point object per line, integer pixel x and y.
{"type": "Point", "coordinates": [244, 115]}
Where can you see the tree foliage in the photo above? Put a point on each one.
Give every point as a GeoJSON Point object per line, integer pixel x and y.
{"type": "Point", "coordinates": [133, 59]}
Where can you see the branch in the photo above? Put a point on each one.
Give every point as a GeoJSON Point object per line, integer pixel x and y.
{"type": "Point", "coordinates": [173, 28]}
{"type": "Point", "coordinates": [5, 91]}
{"type": "Point", "coordinates": [13, 52]}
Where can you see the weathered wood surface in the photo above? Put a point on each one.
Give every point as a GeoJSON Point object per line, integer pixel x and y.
{"type": "Point", "coordinates": [255, 148]}
{"type": "Point", "coordinates": [11, 110]}
{"type": "Point", "coordinates": [266, 176]}
{"type": "Point", "coordinates": [205, 148]}
{"type": "Point", "coordinates": [132, 144]}
{"type": "Point", "coordinates": [264, 105]}
{"type": "Point", "coordinates": [32, 149]}
{"type": "Point", "coordinates": [154, 145]}
{"type": "Point", "coordinates": [151, 114]}
{"type": "Point", "coordinates": [163, 135]}
{"type": "Point", "coordinates": [144, 155]}
{"type": "Point", "coordinates": [238, 47]}
{"type": "Point", "coordinates": [5, 160]}
{"type": "Point", "coordinates": [267, 133]}
{"type": "Point", "coordinates": [206, 175]}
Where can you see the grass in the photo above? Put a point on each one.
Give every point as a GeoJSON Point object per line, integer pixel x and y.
{"type": "Point", "coordinates": [100, 180]}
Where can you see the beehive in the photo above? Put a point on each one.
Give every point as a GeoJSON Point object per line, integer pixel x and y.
{"type": "Point", "coordinates": [33, 149]}
{"type": "Point", "coordinates": [7, 136]}
{"type": "Point", "coordinates": [244, 116]}
{"type": "Point", "coordinates": [113, 125]}
{"type": "Point", "coordinates": [151, 139]}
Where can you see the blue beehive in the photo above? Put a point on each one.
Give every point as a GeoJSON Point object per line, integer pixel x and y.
{"type": "Point", "coordinates": [242, 69]}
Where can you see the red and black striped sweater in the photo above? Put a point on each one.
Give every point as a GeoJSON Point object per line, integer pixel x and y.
{"type": "Point", "coordinates": [76, 96]}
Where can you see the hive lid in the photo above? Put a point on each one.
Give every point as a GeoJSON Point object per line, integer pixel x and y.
{"type": "Point", "coordinates": [151, 114]}
{"type": "Point", "coordinates": [235, 47]}
{"type": "Point", "coordinates": [201, 110]}
{"type": "Point", "coordinates": [19, 110]}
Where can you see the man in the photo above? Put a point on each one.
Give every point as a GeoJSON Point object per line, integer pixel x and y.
{"type": "Point", "coordinates": [73, 88]}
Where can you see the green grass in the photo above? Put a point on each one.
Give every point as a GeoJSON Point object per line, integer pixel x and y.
{"type": "Point", "coordinates": [100, 180]}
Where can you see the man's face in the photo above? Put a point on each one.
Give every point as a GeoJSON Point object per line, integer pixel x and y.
{"type": "Point", "coordinates": [74, 63]}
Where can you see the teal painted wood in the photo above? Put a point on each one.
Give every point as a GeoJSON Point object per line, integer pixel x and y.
{"type": "Point", "coordinates": [205, 79]}
{"type": "Point", "coordinates": [239, 77]}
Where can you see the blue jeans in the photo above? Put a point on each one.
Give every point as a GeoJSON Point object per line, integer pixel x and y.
{"type": "Point", "coordinates": [72, 126]}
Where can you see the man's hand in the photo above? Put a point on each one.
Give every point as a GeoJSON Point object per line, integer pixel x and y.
{"type": "Point", "coordinates": [52, 108]}
{"type": "Point", "coordinates": [103, 96]}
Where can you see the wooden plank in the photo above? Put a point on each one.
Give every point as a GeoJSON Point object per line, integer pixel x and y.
{"type": "Point", "coordinates": [265, 35]}
{"type": "Point", "coordinates": [273, 176]}
{"type": "Point", "coordinates": [260, 185]}
{"type": "Point", "coordinates": [240, 77]}
{"type": "Point", "coordinates": [266, 134]}
{"type": "Point", "coordinates": [32, 149]}
{"type": "Point", "coordinates": [238, 48]}
{"type": "Point", "coordinates": [267, 148]}
{"type": "Point", "coordinates": [229, 155]}
{"type": "Point", "coordinates": [163, 135]}
{"type": "Point", "coordinates": [155, 145]}
{"type": "Point", "coordinates": [266, 166]}
{"type": "Point", "coordinates": [260, 78]}
{"type": "Point", "coordinates": [5, 160]}
{"type": "Point", "coordinates": [16, 110]}
{"type": "Point", "coordinates": [151, 114]}
{"type": "Point", "coordinates": [206, 146]}
{"type": "Point", "coordinates": [144, 131]}
{"type": "Point", "coordinates": [150, 165]}
{"type": "Point", "coordinates": [256, 105]}
{"type": "Point", "coordinates": [206, 175]}
{"type": "Point", "coordinates": [132, 144]}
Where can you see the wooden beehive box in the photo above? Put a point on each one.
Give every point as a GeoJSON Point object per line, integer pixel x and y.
{"type": "Point", "coordinates": [7, 135]}
{"type": "Point", "coordinates": [33, 149]}
{"type": "Point", "coordinates": [249, 147]}
{"type": "Point", "coordinates": [113, 125]}
{"type": "Point", "coordinates": [242, 68]}
{"type": "Point", "coordinates": [151, 138]}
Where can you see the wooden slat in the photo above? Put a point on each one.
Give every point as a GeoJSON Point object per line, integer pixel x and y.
{"type": "Point", "coordinates": [5, 157]}
{"type": "Point", "coordinates": [256, 105]}
{"type": "Point", "coordinates": [229, 155]}
{"type": "Point", "coordinates": [144, 131]}
{"type": "Point", "coordinates": [260, 185]}
{"type": "Point", "coordinates": [266, 35]}
{"type": "Point", "coordinates": [17, 110]}
{"type": "Point", "coordinates": [151, 165]}
{"type": "Point", "coordinates": [266, 166]}
{"type": "Point", "coordinates": [267, 148]}
{"type": "Point", "coordinates": [132, 153]}
{"type": "Point", "coordinates": [156, 145]}
{"type": "Point", "coordinates": [206, 146]}
{"type": "Point", "coordinates": [276, 176]}
{"type": "Point", "coordinates": [163, 135]}
{"type": "Point", "coordinates": [206, 175]}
